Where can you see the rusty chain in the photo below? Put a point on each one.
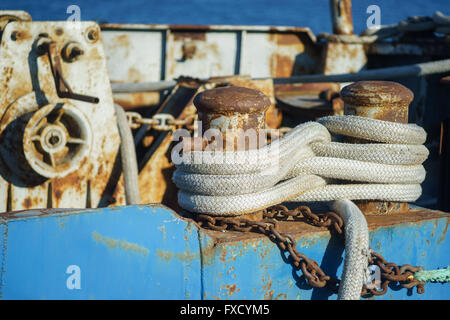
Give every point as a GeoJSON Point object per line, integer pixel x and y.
{"type": "Point", "coordinates": [160, 121]}
{"type": "Point", "coordinates": [390, 272]}
{"type": "Point", "coordinates": [167, 122]}
{"type": "Point", "coordinates": [314, 275]}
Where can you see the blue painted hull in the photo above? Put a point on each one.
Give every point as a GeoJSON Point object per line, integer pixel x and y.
{"type": "Point", "coordinates": [149, 252]}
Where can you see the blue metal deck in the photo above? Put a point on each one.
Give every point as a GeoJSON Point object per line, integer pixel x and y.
{"type": "Point", "coordinates": [149, 252]}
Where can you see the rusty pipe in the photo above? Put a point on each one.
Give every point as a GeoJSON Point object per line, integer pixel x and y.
{"type": "Point", "coordinates": [341, 16]}
{"type": "Point", "coordinates": [413, 70]}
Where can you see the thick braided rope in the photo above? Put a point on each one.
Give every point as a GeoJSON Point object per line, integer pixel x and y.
{"type": "Point", "coordinates": [356, 249]}
{"type": "Point", "coordinates": [375, 130]}
{"type": "Point", "coordinates": [234, 183]}
{"type": "Point", "coordinates": [253, 180]}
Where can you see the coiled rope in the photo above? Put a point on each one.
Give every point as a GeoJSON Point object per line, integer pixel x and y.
{"type": "Point", "coordinates": [301, 166]}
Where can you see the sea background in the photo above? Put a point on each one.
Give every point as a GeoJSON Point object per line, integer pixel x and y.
{"type": "Point", "coordinates": [314, 14]}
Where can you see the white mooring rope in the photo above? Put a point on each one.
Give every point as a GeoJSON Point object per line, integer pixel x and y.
{"type": "Point", "coordinates": [303, 166]}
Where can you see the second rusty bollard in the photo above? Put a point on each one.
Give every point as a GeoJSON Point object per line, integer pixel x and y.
{"type": "Point", "coordinates": [382, 100]}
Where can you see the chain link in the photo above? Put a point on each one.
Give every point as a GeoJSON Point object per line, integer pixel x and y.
{"type": "Point", "coordinates": [160, 121]}
{"type": "Point", "coordinates": [314, 275]}
{"type": "Point", "coordinates": [390, 272]}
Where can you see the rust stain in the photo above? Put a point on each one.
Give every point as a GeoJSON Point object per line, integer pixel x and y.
{"type": "Point", "coordinates": [224, 254]}
{"type": "Point", "coordinates": [412, 216]}
{"type": "Point", "coordinates": [27, 203]}
{"type": "Point", "coordinates": [342, 16]}
{"type": "Point", "coordinates": [74, 182]}
{"type": "Point", "coordinates": [186, 256]}
{"type": "Point", "coordinates": [121, 244]}
{"type": "Point", "coordinates": [387, 94]}
{"type": "Point", "coordinates": [20, 35]}
{"type": "Point", "coordinates": [306, 88]}
{"type": "Point", "coordinates": [131, 101]}
{"type": "Point", "coordinates": [267, 286]}
{"type": "Point", "coordinates": [281, 296]}
{"type": "Point", "coordinates": [231, 289]}
{"type": "Point", "coordinates": [282, 65]}
{"type": "Point", "coordinates": [288, 39]}
{"type": "Point", "coordinates": [163, 229]}
{"type": "Point", "coordinates": [444, 233]}
{"type": "Point", "coordinates": [273, 115]}
{"type": "Point", "coordinates": [135, 75]}
{"type": "Point", "coordinates": [123, 40]}
{"type": "Point", "coordinates": [156, 177]}
{"type": "Point", "coordinates": [193, 35]}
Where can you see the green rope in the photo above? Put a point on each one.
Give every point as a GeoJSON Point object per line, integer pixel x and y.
{"type": "Point", "coordinates": [439, 275]}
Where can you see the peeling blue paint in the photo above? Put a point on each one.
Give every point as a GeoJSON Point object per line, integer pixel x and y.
{"type": "Point", "coordinates": [148, 252]}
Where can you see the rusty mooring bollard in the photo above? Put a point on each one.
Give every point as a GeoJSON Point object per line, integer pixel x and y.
{"type": "Point", "coordinates": [239, 114]}
{"type": "Point", "coordinates": [382, 100]}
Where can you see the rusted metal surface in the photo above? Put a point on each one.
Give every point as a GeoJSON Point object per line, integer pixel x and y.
{"type": "Point", "coordinates": [234, 111]}
{"type": "Point", "coordinates": [7, 16]}
{"type": "Point", "coordinates": [56, 140]}
{"type": "Point", "coordinates": [341, 16]}
{"type": "Point", "coordinates": [204, 52]}
{"type": "Point", "coordinates": [155, 177]}
{"type": "Point", "coordinates": [338, 57]}
{"type": "Point", "coordinates": [415, 215]}
{"type": "Point", "coordinates": [287, 244]}
{"type": "Point", "coordinates": [138, 100]}
{"type": "Point", "coordinates": [273, 114]}
{"type": "Point", "coordinates": [226, 251]}
{"type": "Point", "coordinates": [188, 262]}
{"type": "Point", "coordinates": [343, 58]}
{"type": "Point", "coordinates": [238, 113]}
{"type": "Point", "coordinates": [31, 80]}
{"type": "Point", "coordinates": [382, 100]}
{"type": "Point", "coordinates": [208, 53]}
{"type": "Point", "coordinates": [313, 274]}
{"type": "Point", "coordinates": [154, 148]}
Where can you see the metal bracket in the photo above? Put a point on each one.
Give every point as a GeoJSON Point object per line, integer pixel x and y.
{"type": "Point", "coordinates": [47, 46]}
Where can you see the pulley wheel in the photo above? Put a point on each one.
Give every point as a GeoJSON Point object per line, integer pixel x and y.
{"type": "Point", "coordinates": [57, 138]}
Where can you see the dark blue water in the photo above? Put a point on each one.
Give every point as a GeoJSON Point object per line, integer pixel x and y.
{"type": "Point", "coordinates": [314, 14]}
